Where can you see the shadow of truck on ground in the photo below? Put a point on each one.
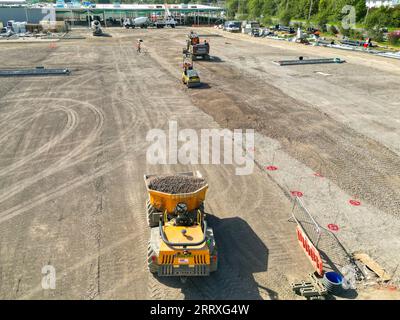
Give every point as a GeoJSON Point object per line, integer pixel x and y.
{"type": "Point", "coordinates": [241, 254]}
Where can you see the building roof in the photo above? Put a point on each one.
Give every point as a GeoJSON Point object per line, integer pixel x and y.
{"type": "Point", "coordinates": [154, 6]}
{"type": "Point", "coordinates": [12, 2]}
{"type": "Point", "coordinates": [136, 7]}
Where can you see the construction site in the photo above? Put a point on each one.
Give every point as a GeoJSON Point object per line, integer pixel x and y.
{"type": "Point", "coordinates": [316, 217]}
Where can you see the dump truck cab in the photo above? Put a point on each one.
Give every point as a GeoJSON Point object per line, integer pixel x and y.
{"type": "Point", "coordinates": [181, 243]}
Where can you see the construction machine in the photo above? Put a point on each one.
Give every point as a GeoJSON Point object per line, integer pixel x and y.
{"type": "Point", "coordinates": [167, 20]}
{"type": "Point", "coordinates": [96, 28]}
{"type": "Point", "coordinates": [141, 22]}
{"type": "Point", "coordinates": [232, 26]}
{"type": "Point", "coordinates": [129, 23]}
{"type": "Point", "coordinates": [251, 28]}
{"type": "Point", "coordinates": [181, 243]}
{"type": "Point", "coordinates": [194, 49]}
{"type": "Point", "coordinates": [190, 77]}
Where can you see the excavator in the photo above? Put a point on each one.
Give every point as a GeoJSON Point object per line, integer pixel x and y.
{"type": "Point", "coordinates": [181, 243]}
{"type": "Point", "coordinates": [194, 49]}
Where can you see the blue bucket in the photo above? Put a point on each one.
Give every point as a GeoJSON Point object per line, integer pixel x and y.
{"type": "Point", "coordinates": [334, 277]}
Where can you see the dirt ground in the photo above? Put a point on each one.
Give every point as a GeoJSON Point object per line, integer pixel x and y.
{"type": "Point", "coordinates": [73, 157]}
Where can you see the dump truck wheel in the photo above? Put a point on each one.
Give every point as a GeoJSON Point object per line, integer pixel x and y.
{"type": "Point", "coordinates": [150, 264]}
{"type": "Point", "coordinates": [153, 215]}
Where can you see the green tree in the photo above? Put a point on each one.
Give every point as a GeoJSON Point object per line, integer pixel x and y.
{"type": "Point", "coordinates": [285, 17]}
{"type": "Point", "coordinates": [232, 8]}
{"type": "Point", "coordinates": [322, 19]}
{"type": "Point", "coordinates": [378, 18]}
{"type": "Point", "coordinates": [255, 8]}
{"type": "Point", "coordinates": [322, 11]}
{"type": "Point", "coordinates": [395, 17]}
{"type": "Point", "coordinates": [270, 7]}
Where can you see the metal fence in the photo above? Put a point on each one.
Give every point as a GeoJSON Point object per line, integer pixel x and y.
{"type": "Point", "coordinates": [334, 255]}
{"type": "Point", "coordinates": [306, 221]}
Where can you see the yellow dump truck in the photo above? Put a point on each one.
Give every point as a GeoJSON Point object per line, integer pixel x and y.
{"type": "Point", "coordinates": [181, 243]}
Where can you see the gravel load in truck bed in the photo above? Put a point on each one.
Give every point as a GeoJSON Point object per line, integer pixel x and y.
{"type": "Point", "coordinates": [175, 184]}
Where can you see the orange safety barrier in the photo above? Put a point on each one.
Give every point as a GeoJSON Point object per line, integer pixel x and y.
{"type": "Point", "coordinates": [310, 250]}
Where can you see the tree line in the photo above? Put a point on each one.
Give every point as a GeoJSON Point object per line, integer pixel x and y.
{"type": "Point", "coordinates": [320, 12]}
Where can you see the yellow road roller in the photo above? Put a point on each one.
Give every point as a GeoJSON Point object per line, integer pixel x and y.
{"type": "Point", "coordinates": [191, 78]}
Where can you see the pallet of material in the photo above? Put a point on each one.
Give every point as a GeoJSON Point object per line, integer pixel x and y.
{"type": "Point", "coordinates": [308, 61]}
{"type": "Point", "coordinates": [372, 265]}
{"type": "Point", "coordinates": [39, 71]}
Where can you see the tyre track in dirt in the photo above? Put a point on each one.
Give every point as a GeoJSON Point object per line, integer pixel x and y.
{"type": "Point", "coordinates": [64, 161]}
{"type": "Point", "coordinates": [342, 148]}
{"type": "Point", "coordinates": [68, 129]}
{"type": "Point", "coordinates": [20, 124]}
{"type": "Point", "coordinates": [359, 165]}
{"type": "Point", "coordinates": [13, 116]}
{"type": "Point", "coordinates": [148, 108]}
{"type": "Point", "coordinates": [70, 185]}
{"type": "Point", "coordinates": [58, 166]}
{"type": "Point", "coordinates": [167, 288]}
{"type": "Point", "coordinates": [94, 210]}
{"type": "Point", "coordinates": [74, 154]}
{"type": "Point", "coordinates": [76, 267]}
{"type": "Point", "coordinates": [137, 218]}
{"type": "Point", "coordinates": [229, 277]}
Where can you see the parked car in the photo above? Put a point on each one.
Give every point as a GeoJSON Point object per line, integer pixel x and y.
{"type": "Point", "coordinates": [232, 26]}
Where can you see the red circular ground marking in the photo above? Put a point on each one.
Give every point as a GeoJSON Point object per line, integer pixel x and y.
{"type": "Point", "coordinates": [296, 193]}
{"type": "Point", "coordinates": [333, 227]}
{"type": "Point", "coordinates": [271, 168]}
{"type": "Point", "coordinates": [317, 174]}
{"type": "Point", "coordinates": [355, 203]}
